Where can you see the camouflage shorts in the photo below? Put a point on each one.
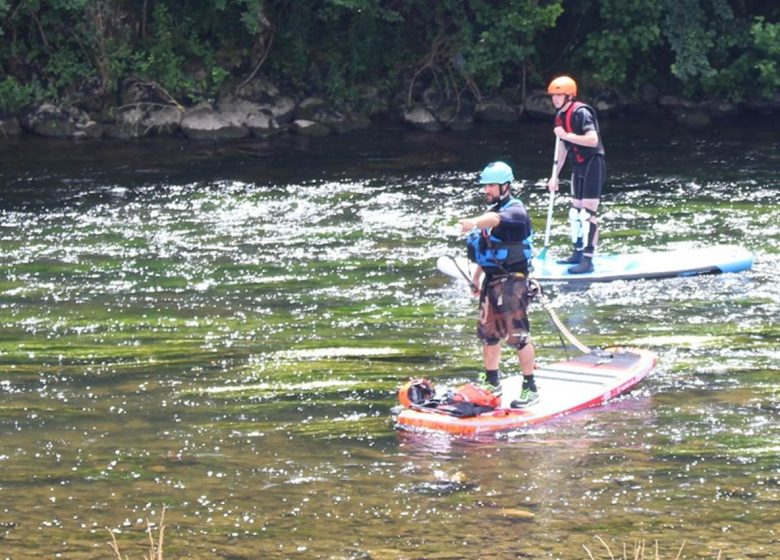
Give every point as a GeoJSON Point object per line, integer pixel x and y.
{"type": "Point", "coordinates": [503, 305]}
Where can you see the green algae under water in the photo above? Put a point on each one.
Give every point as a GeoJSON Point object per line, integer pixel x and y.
{"type": "Point", "coordinates": [220, 330]}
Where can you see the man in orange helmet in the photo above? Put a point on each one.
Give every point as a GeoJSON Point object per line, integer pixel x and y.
{"type": "Point", "coordinates": [577, 125]}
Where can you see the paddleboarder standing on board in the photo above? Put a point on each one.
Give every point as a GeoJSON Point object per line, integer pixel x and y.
{"type": "Point", "coordinates": [499, 241]}
{"type": "Point", "coordinates": [577, 126]}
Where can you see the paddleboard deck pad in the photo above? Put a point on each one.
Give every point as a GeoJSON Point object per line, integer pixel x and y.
{"type": "Point", "coordinates": [565, 387]}
{"type": "Point", "coordinates": [628, 266]}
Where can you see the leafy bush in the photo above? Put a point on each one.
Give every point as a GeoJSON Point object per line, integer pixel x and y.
{"type": "Point", "coordinates": [621, 50]}
{"type": "Point", "coordinates": [15, 95]}
{"type": "Point", "coordinates": [766, 40]}
{"type": "Point", "coordinates": [52, 48]}
{"type": "Point", "coordinates": [505, 36]}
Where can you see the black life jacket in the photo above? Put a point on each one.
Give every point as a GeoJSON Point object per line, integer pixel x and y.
{"type": "Point", "coordinates": [566, 120]}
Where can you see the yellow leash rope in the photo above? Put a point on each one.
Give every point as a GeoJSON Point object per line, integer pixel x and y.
{"type": "Point", "coordinates": [545, 301]}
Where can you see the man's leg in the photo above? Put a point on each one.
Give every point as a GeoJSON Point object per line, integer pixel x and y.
{"type": "Point", "coordinates": [491, 356]}
{"type": "Point", "coordinates": [526, 356]}
{"type": "Point", "coordinates": [489, 332]}
{"type": "Point", "coordinates": [590, 235]}
{"type": "Point", "coordinates": [529, 393]}
{"type": "Point", "coordinates": [491, 359]}
{"type": "Point", "coordinates": [592, 184]}
{"type": "Point", "coordinates": [575, 228]}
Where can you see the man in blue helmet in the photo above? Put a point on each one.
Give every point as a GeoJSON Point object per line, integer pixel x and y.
{"type": "Point", "coordinates": [499, 241]}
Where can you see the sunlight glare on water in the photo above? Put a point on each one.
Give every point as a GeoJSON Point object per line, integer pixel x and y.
{"type": "Point", "coordinates": [226, 340]}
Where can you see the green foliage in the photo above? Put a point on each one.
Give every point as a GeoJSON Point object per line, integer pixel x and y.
{"type": "Point", "coordinates": [53, 49]}
{"type": "Point", "coordinates": [701, 34]}
{"type": "Point", "coordinates": [766, 40]}
{"type": "Point", "coordinates": [162, 60]}
{"type": "Point", "coordinates": [338, 48]}
{"type": "Point", "coordinates": [505, 37]}
{"type": "Point", "coordinates": [718, 54]}
{"type": "Point", "coordinates": [685, 27]}
{"type": "Point", "coordinates": [3, 12]}
{"type": "Point", "coordinates": [292, 53]}
{"type": "Point", "coordinates": [622, 48]}
{"type": "Point", "coordinates": [252, 16]}
{"type": "Point", "coordinates": [14, 95]}
{"type": "Point", "coordinates": [66, 67]}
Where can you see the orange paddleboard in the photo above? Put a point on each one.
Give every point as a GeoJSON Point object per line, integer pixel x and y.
{"type": "Point", "coordinates": [564, 387]}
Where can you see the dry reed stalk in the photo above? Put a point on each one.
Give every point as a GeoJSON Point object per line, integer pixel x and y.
{"type": "Point", "coordinates": [155, 547]}
{"type": "Point", "coordinates": [640, 548]}
{"type": "Point", "coordinates": [113, 544]}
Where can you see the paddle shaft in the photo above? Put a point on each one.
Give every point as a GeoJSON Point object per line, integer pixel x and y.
{"type": "Point", "coordinates": [553, 177]}
{"type": "Point", "coordinates": [465, 276]}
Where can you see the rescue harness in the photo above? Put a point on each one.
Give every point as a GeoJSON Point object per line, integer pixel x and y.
{"type": "Point", "coordinates": [495, 255]}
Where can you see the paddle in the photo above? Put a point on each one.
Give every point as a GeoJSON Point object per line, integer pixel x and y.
{"type": "Point", "coordinates": [543, 253]}
{"type": "Point", "coordinates": [465, 276]}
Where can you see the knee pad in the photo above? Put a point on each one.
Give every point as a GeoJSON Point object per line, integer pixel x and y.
{"type": "Point", "coordinates": [583, 217]}
{"type": "Point", "coordinates": [522, 341]}
{"type": "Point", "coordinates": [589, 227]}
{"type": "Point", "coordinates": [574, 224]}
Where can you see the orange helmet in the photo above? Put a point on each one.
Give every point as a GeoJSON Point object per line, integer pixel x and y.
{"type": "Point", "coordinates": [415, 391]}
{"type": "Point", "coordinates": [564, 85]}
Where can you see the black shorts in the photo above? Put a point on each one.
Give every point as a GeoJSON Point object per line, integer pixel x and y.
{"type": "Point", "coordinates": [503, 311]}
{"type": "Point", "coordinates": [589, 177]}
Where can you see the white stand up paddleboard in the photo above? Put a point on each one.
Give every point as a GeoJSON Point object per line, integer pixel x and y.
{"type": "Point", "coordinates": [564, 387]}
{"type": "Point", "coordinates": [628, 266]}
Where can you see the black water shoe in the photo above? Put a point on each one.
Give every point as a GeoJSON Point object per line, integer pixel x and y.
{"type": "Point", "coordinates": [585, 266]}
{"type": "Point", "coordinates": [575, 258]}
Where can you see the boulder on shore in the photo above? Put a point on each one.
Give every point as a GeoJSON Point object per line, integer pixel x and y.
{"type": "Point", "coordinates": [539, 106]}
{"type": "Point", "coordinates": [309, 128]}
{"type": "Point", "coordinates": [145, 119]}
{"type": "Point", "coordinates": [256, 96]}
{"type": "Point", "coordinates": [53, 121]}
{"type": "Point", "coordinates": [202, 122]}
{"type": "Point", "coordinates": [9, 126]}
{"type": "Point", "coordinates": [496, 110]}
{"type": "Point", "coordinates": [422, 118]}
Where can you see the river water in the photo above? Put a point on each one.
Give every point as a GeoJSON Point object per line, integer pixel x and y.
{"type": "Point", "coordinates": [219, 330]}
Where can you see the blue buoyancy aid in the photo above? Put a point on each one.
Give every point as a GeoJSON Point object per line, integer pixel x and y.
{"type": "Point", "coordinates": [505, 248]}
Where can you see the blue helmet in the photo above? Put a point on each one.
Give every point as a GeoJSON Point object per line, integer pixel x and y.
{"type": "Point", "coordinates": [496, 172]}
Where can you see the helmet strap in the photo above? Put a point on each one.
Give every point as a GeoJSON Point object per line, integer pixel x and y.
{"type": "Point", "coordinates": [503, 191]}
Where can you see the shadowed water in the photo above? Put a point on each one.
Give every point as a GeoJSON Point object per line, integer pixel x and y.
{"type": "Point", "coordinates": [220, 330]}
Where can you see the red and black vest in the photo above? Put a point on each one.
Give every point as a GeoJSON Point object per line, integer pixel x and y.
{"type": "Point", "coordinates": [567, 121]}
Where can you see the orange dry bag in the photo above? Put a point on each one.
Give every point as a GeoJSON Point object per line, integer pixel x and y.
{"type": "Point", "coordinates": [476, 395]}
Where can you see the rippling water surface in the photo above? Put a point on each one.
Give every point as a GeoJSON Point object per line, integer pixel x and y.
{"type": "Point", "coordinates": [220, 331]}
